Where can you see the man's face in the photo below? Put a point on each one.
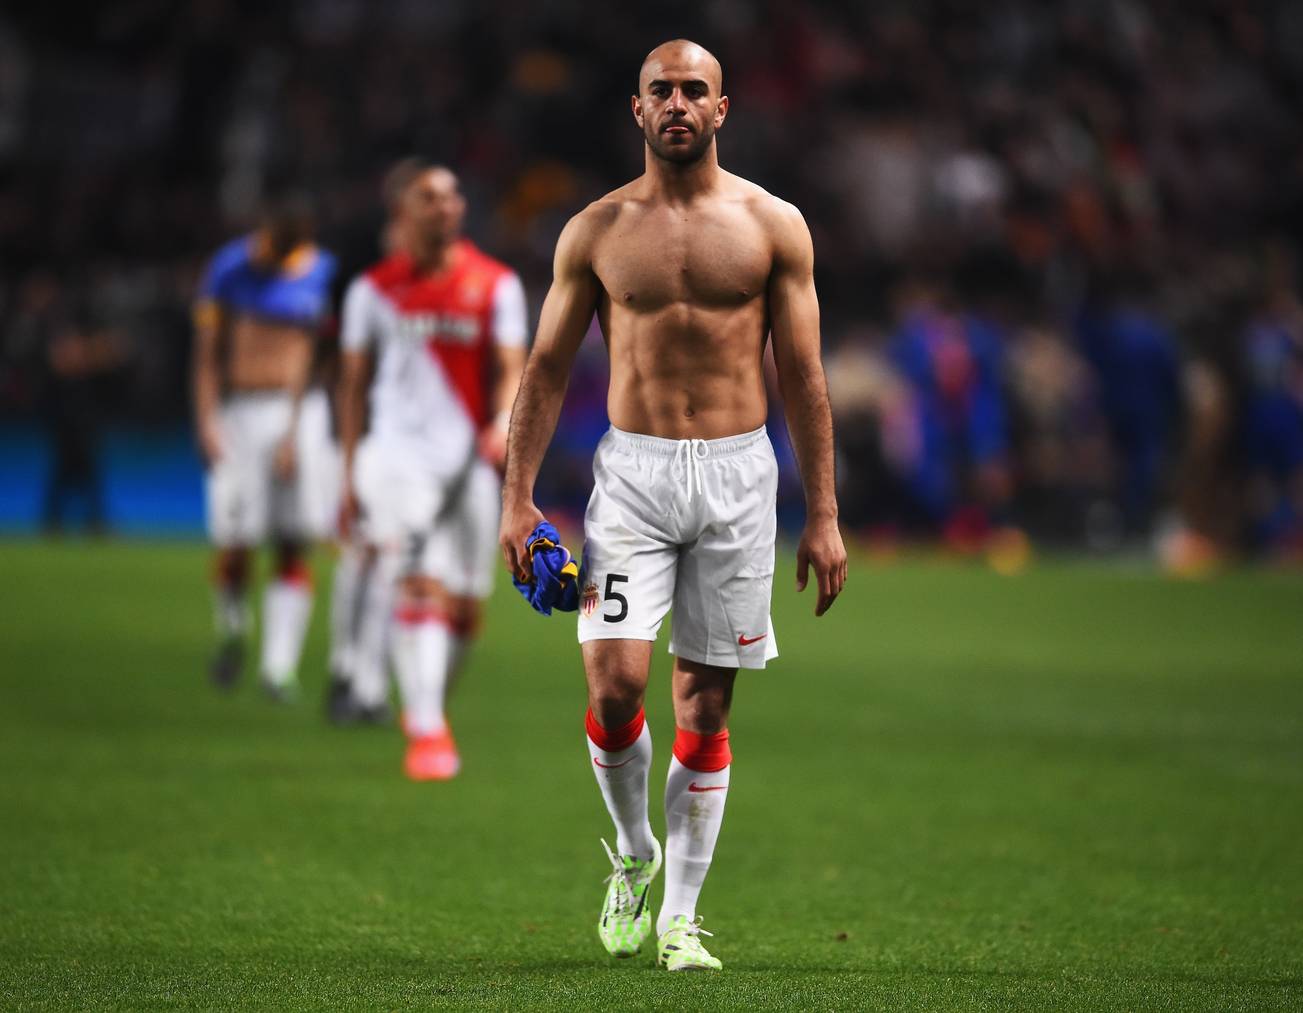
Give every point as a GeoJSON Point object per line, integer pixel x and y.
{"type": "Point", "coordinates": [433, 207]}
{"type": "Point", "coordinates": [680, 106]}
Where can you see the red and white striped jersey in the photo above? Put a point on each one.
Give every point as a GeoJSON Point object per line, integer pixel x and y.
{"type": "Point", "coordinates": [434, 336]}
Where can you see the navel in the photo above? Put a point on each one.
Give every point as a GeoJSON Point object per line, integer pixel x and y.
{"type": "Point", "coordinates": [688, 412]}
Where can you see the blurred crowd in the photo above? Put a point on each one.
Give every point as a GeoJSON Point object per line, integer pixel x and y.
{"type": "Point", "coordinates": [1057, 241]}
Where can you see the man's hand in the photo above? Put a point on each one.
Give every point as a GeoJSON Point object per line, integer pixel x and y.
{"type": "Point", "coordinates": [212, 445]}
{"type": "Point", "coordinates": [519, 519]}
{"type": "Point", "coordinates": [349, 511]}
{"type": "Point", "coordinates": [493, 442]}
{"type": "Point", "coordinates": [286, 457]}
{"type": "Point", "coordinates": [821, 547]}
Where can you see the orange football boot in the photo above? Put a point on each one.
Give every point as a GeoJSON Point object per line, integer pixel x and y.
{"type": "Point", "coordinates": [432, 757]}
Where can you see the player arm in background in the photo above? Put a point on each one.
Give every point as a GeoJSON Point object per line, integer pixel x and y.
{"type": "Point", "coordinates": [510, 348]}
{"type": "Point", "coordinates": [567, 312]}
{"type": "Point", "coordinates": [794, 323]}
{"type": "Point", "coordinates": [206, 374]}
{"type": "Point", "coordinates": [300, 374]}
{"type": "Point", "coordinates": [350, 395]}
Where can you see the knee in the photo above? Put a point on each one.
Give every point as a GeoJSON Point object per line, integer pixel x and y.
{"type": "Point", "coordinates": [232, 567]}
{"type": "Point", "coordinates": [290, 564]}
{"type": "Point", "coordinates": [463, 615]}
{"type": "Point", "coordinates": [616, 699]}
{"type": "Point", "coordinates": [418, 588]}
{"type": "Point", "coordinates": [705, 713]}
{"type": "Point", "coordinates": [702, 697]}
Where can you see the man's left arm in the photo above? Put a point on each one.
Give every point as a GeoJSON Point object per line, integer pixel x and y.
{"type": "Point", "coordinates": [300, 373]}
{"type": "Point", "coordinates": [510, 350]}
{"type": "Point", "coordinates": [794, 323]}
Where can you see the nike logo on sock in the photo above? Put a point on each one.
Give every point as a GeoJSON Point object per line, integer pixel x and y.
{"type": "Point", "coordinates": [611, 766]}
{"type": "Point", "coordinates": [694, 786]}
{"type": "Point", "coordinates": [745, 641]}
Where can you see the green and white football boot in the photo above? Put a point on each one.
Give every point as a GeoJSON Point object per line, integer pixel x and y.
{"type": "Point", "coordinates": [680, 948]}
{"type": "Point", "coordinates": [626, 915]}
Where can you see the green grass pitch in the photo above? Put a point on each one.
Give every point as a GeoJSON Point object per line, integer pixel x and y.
{"type": "Point", "coordinates": [1081, 788]}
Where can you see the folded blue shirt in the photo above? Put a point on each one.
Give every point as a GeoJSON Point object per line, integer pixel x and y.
{"type": "Point", "coordinates": [556, 574]}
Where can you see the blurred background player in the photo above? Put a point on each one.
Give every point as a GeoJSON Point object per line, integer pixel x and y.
{"type": "Point", "coordinates": [447, 327]}
{"type": "Point", "coordinates": [359, 613]}
{"type": "Point", "coordinates": [262, 438]}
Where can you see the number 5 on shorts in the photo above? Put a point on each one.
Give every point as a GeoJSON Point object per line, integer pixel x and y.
{"type": "Point", "coordinates": [612, 578]}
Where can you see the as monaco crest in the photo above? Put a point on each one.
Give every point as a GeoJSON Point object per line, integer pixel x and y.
{"type": "Point", "coordinates": [588, 601]}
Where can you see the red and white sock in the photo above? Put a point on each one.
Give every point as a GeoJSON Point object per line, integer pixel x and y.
{"type": "Point", "coordinates": [621, 759]}
{"type": "Point", "coordinates": [286, 609]}
{"type": "Point", "coordinates": [420, 645]}
{"type": "Point", "coordinates": [695, 791]}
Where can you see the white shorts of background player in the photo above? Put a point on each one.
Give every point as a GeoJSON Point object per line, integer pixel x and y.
{"type": "Point", "coordinates": [688, 525]}
{"type": "Point", "coordinates": [444, 525]}
{"type": "Point", "coordinates": [247, 503]}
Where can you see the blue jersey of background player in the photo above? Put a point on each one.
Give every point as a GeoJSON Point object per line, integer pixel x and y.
{"type": "Point", "coordinates": [248, 276]}
{"type": "Point", "coordinates": [257, 318]}
{"type": "Point", "coordinates": [1135, 357]}
{"type": "Point", "coordinates": [952, 361]}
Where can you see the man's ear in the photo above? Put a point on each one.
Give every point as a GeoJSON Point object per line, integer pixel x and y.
{"type": "Point", "coordinates": [721, 111]}
{"type": "Point", "coordinates": [635, 103]}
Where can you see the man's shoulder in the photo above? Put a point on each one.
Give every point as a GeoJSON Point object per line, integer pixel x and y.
{"type": "Point", "coordinates": [602, 213]}
{"type": "Point", "coordinates": [395, 269]}
{"type": "Point", "coordinates": [770, 211]}
{"type": "Point", "coordinates": [231, 256]}
{"type": "Point", "coordinates": [583, 231]}
{"type": "Point", "coordinates": [482, 263]}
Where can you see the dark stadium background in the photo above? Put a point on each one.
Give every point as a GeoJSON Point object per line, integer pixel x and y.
{"type": "Point", "coordinates": [1114, 191]}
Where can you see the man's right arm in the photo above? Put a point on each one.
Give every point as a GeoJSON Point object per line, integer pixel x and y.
{"type": "Point", "coordinates": [567, 312]}
{"type": "Point", "coordinates": [350, 395]}
{"type": "Point", "coordinates": [206, 377]}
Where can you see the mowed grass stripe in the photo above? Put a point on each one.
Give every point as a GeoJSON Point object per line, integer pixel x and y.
{"type": "Point", "coordinates": [1077, 788]}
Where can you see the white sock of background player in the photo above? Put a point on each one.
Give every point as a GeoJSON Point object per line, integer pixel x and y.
{"type": "Point", "coordinates": [695, 791]}
{"type": "Point", "coordinates": [621, 761]}
{"type": "Point", "coordinates": [370, 674]}
{"type": "Point", "coordinates": [286, 609]}
{"type": "Point", "coordinates": [420, 647]}
{"type": "Point", "coordinates": [346, 594]}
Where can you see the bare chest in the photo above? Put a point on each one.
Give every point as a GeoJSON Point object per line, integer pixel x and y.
{"type": "Point", "coordinates": [655, 258]}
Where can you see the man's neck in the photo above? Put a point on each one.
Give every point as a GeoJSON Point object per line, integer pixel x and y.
{"type": "Point", "coordinates": [678, 183]}
{"type": "Point", "coordinates": [432, 257]}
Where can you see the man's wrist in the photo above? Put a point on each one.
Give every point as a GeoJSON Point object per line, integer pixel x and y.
{"type": "Point", "coordinates": [821, 513]}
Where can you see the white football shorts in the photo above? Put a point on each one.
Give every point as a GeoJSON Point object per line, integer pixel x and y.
{"type": "Point", "coordinates": [320, 469]}
{"type": "Point", "coordinates": [688, 525]}
{"type": "Point", "coordinates": [443, 525]}
{"type": "Point", "coordinates": [247, 503]}
{"type": "Point", "coordinates": [463, 551]}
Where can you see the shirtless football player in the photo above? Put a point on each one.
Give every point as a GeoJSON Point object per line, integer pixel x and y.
{"type": "Point", "coordinates": [690, 270]}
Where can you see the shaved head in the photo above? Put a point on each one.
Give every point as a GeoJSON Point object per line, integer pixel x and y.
{"type": "Point", "coordinates": [682, 55]}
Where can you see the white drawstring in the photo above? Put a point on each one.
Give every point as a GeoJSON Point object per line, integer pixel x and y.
{"type": "Point", "coordinates": [688, 455]}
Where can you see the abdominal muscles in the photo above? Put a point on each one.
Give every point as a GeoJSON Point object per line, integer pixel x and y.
{"type": "Point", "coordinates": [682, 371]}
{"type": "Point", "coordinates": [265, 355]}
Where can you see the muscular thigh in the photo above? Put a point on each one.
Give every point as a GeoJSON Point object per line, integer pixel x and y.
{"type": "Point", "coordinates": [617, 672]}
